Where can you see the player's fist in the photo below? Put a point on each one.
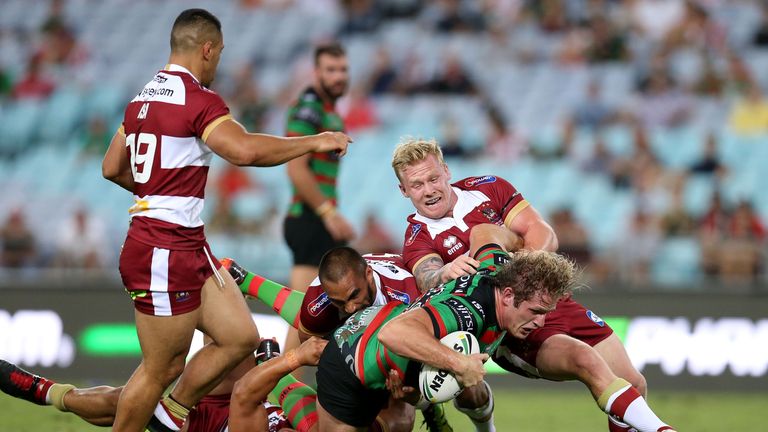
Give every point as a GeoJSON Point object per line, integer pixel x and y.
{"type": "Point", "coordinates": [471, 370]}
{"type": "Point", "coordinates": [308, 353]}
{"type": "Point", "coordinates": [463, 265]}
{"type": "Point", "coordinates": [333, 141]}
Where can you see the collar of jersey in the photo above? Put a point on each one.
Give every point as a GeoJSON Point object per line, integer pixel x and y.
{"type": "Point", "coordinates": [172, 67]}
{"type": "Point", "coordinates": [466, 201]}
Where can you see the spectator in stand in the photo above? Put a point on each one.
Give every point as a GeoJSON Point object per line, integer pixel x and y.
{"type": "Point", "coordinates": [662, 102]}
{"type": "Point", "coordinates": [34, 84]}
{"type": "Point", "coordinates": [740, 254]}
{"type": "Point", "coordinates": [712, 228]}
{"type": "Point", "coordinates": [360, 16]}
{"type": "Point", "coordinates": [636, 248]}
{"type": "Point", "coordinates": [749, 115]}
{"type": "Point", "coordinates": [451, 16]}
{"type": "Point", "coordinates": [504, 142]}
{"type": "Point", "coordinates": [760, 38]}
{"type": "Point", "coordinates": [710, 82]}
{"type": "Point", "coordinates": [18, 242]}
{"type": "Point", "coordinates": [453, 80]}
{"type": "Point", "coordinates": [695, 29]}
{"type": "Point", "coordinates": [375, 237]}
{"type": "Point", "coordinates": [709, 163]}
{"type": "Point", "coordinates": [572, 237]}
{"type": "Point", "coordinates": [607, 43]}
{"type": "Point", "coordinates": [246, 100]}
{"type": "Point", "coordinates": [81, 242]}
{"type": "Point", "coordinates": [96, 137]}
{"type": "Point", "coordinates": [593, 112]}
{"type": "Point", "coordinates": [654, 19]}
{"type": "Point", "coordinates": [676, 221]}
{"type": "Point", "coordinates": [358, 111]}
{"type": "Point", "coordinates": [452, 145]}
{"type": "Point", "coordinates": [384, 78]}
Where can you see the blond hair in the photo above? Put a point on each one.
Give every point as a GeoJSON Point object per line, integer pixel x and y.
{"type": "Point", "coordinates": [411, 150]}
{"type": "Point", "coordinates": [529, 273]}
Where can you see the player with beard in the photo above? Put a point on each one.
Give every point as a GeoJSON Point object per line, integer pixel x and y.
{"type": "Point", "coordinates": [313, 225]}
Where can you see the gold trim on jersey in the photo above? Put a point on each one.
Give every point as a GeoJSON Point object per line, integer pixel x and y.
{"type": "Point", "coordinates": [522, 205]}
{"type": "Point", "coordinates": [212, 125]}
{"type": "Point", "coordinates": [424, 258]}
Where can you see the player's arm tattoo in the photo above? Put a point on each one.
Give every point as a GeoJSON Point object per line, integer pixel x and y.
{"type": "Point", "coordinates": [428, 273]}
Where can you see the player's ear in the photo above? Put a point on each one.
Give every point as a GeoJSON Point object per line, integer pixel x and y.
{"type": "Point", "coordinates": [208, 50]}
{"type": "Point", "coordinates": [447, 170]}
{"type": "Point", "coordinates": [402, 190]}
{"type": "Point", "coordinates": [508, 296]}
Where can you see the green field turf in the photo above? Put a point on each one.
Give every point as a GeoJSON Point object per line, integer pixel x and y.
{"type": "Point", "coordinates": [516, 411]}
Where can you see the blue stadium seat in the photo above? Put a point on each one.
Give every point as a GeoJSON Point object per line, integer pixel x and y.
{"type": "Point", "coordinates": [677, 263]}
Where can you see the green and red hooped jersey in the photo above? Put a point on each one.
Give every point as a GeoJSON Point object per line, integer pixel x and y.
{"type": "Point", "coordinates": [309, 116]}
{"type": "Point", "coordinates": [467, 304]}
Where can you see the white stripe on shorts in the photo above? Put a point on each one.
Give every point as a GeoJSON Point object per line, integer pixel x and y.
{"type": "Point", "coordinates": [158, 284]}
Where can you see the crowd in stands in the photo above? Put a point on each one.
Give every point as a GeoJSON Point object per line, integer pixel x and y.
{"type": "Point", "coordinates": [693, 67]}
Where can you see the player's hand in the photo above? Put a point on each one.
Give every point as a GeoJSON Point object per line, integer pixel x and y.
{"type": "Point", "coordinates": [471, 371]}
{"type": "Point", "coordinates": [463, 265]}
{"type": "Point", "coordinates": [333, 141]}
{"type": "Point", "coordinates": [400, 392]}
{"type": "Point", "coordinates": [308, 353]}
{"type": "Point", "coordinates": [339, 228]}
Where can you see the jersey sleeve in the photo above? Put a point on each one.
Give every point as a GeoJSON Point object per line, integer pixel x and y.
{"type": "Point", "coordinates": [211, 111]}
{"type": "Point", "coordinates": [491, 257]}
{"type": "Point", "coordinates": [417, 245]}
{"type": "Point", "coordinates": [318, 316]}
{"type": "Point", "coordinates": [305, 118]}
{"type": "Point", "coordinates": [504, 197]}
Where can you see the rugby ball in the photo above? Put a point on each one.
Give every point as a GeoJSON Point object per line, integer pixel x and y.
{"type": "Point", "coordinates": [438, 385]}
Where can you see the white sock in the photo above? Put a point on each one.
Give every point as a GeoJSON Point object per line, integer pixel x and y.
{"type": "Point", "coordinates": [622, 400]}
{"type": "Point", "coordinates": [481, 417]}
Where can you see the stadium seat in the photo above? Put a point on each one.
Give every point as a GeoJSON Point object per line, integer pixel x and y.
{"type": "Point", "coordinates": [677, 263]}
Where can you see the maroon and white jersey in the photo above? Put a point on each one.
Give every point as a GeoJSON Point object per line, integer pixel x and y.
{"type": "Point", "coordinates": [318, 316]}
{"type": "Point", "coordinates": [486, 199]}
{"type": "Point", "coordinates": [165, 129]}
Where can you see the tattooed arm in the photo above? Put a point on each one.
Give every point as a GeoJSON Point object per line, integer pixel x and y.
{"type": "Point", "coordinates": [430, 271]}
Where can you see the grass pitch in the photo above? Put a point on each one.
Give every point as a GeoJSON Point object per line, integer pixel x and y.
{"type": "Point", "coordinates": [516, 411]}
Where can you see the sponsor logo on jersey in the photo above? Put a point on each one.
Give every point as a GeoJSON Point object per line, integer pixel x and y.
{"type": "Point", "coordinates": [449, 242]}
{"type": "Point", "coordinates": [161, 79]}
{"type": "Point", "coordinates": [596, 319]}
{"type": "Point", "coordinates": [479, 180]}
{"type": "Point", "coordinates": [455, 248]}
{"type": "Point", "coordinates": [318, 305]}
{"type": "Point", "coordinates": [182, 296]}
{"type": "Point", "coordinates": [491, 214]}
{"type": "Point", "coordinates": [462, 313]}
{"type": "Point", "coordinates": [415, 228]}
{"type": "Point", "coordinates": [397, 295]}
{"type": "Point", "coordinates": [462, 283]}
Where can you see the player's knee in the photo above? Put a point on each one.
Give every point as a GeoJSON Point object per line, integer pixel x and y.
{"type": "Point", "coordinates": [246, 342]}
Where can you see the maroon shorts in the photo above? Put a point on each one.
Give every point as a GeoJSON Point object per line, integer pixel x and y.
{"type": "Point", "coordinates": [210, 415]}
{"type": "Point", "coordinates": [569, 318]}
{"type": "Point", "coordinates": [165, 282]}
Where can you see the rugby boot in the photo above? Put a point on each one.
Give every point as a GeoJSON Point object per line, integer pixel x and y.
{"type": "Point", "coordinates": [268, 349]}
{"type": "Point", "coordinates": [434, 418]}
{"type": "Point", "coordinates": [238, 273]}
{"type": "Point", "coordinates": [21, 384]}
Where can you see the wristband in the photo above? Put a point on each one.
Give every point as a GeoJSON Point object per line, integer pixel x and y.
{"type": "Point", "coordinates": [293, 362]}
{"type": "Point", "coordinates": [325, 209]}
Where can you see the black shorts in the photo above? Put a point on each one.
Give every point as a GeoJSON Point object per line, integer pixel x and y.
{"type": "Point", "coordinates": [341, 394]}
{"type": "Point", "coordinates": [307, 238]}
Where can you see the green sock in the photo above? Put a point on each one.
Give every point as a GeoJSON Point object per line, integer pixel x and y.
{"type": "Point", "coordinates": [298, 401]}
{"type": "Point", "coordinates": [283, 300]}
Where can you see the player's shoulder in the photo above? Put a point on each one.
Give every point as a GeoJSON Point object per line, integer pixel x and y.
{"type": "Point", "coordinates": [309, 97]}
{"type": "Point", "coordinates": [479, 182]}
